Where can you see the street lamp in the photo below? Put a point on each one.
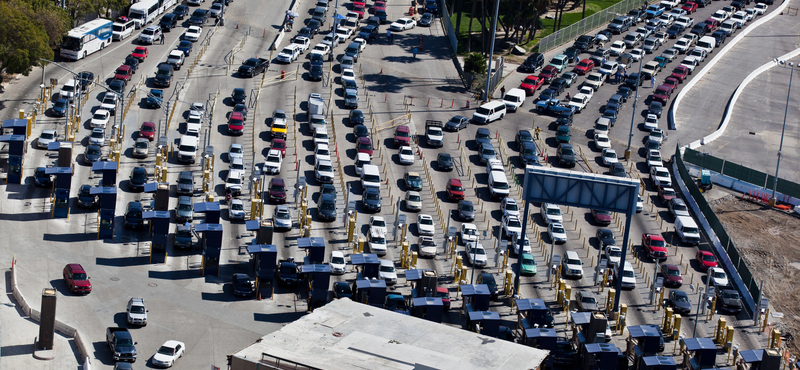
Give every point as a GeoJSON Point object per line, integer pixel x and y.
{"type": "Point", "coordinates": [633, 114]}
{"type": "Point", "coordinates": [783, 130]}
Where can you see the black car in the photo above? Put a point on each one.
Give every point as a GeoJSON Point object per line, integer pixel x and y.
{"type": "Point", "coordinates": [327, 208]}
{"type": "Point", "coordinates": [625, 92]}
{"type": "Point", "coordinates": [181, 11]}
{"type": "Point", "coordinates": [287, 272]}
{"type": "Point", "coordinates": [532, 63]}
{"type": "Point", "coordinates": [199, 17]}
{"type": "Point", "coordinates": [573, 54]}
{"type": "Point", "coordinates": [528, 154]}
{"type": "Point", "coordinates": [566, 155]}
{"type": "Point", "coordinates": [185, 183]}
{"type": "Point", "coordinates": [637, 15]}
{"type": "Point", "coordinates": [679, 301]}
{"type": "Point", "coordinates": [314, 25]}
{"type": "Point", "coordinates": [133, 215]}
{"type": "Point", "coordinates": [699, 29]}
{"type": "Point", "coordinates": [306, 32]}
{"type": "Point", "coordinates": [618, 170]}
{"type": "Point", "coordinates": [186, 47]}
{"type": "Point", "coordinates": [565, 117]}
{"type": "Point", "coordinates": [368, 33]}
{"type": "Point", "coordinates": [616, 99]}
{"type": "Point", "coordinates": [444, 161]}
{"type": "Point", "coordinates": [183, 237]}
{"type": "Point", "coordinates": [584, 42]}
{"type": "Point", "coordinates": [85, 78]}
{"type": "Point", "coordinates": [720, 36]}
{"type": "Point", "coordinates": [238, 95]}
{"type": "Point", "coordinates": [132, 62]}
{"type": "Point", "coordinates": [315, 72]}
{"type": "Point", "coordinates": [729, 300]}
{"type": "Point", "coordinates": [117, 85]}
{"type": "Point", "coordinates": [605, 237]}
{"type": "Point", "coordinates": [633, 80]}
{"type": "Point", "coordinates": [371, 199]}
{"type": "Point", "coordinates": [92, 154]}
{"type": "Point", "coordinates": [522, 137]}
{"type": "Point", "coordinates": [41, 178]}
{"type": "Point", "coordinates": [655, 108]}
{"type": "Point", "coordinates": [456, 123]}
{"type": "Point", "coordinates": [163, 75]}
{"type": "Point", "coordinates": [342, 290]}
{"type": "Point", "coordinates": [360, 131]}
{"type": "Point", "coordinates": [138, 178]}
{"type": "Point", "coordinates": [674, 30]}
{"type": "Point", "coordinates": [168, 22]}
{"type": "Point", "coordinates": [559, 84]}
{"type": "Point", "coordinates": [466, 211]}
{"type": "Point", "coordinates": [356, 117]}
{"type": "Point", "coordinates": [85, 197]}
{"type": "Point", "coordinates": [242, 286]}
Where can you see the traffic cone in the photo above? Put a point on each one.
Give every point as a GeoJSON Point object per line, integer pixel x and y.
{"type": "Point", "coordinates": [381, 72]}
{"type": "Point", "coordinates": [237, 26]}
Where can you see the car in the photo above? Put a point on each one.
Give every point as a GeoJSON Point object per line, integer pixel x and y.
{"type": "Point", "coordinates": [402, 24]}
{"type": "Point", "coordinates": [728, 300]}
{"type": "Point", "coordinates": [413, 201]}
{"type": "Point", "coordinates": [660, 177]}
{"type": "Point", "coordinates": [137, 178]}
{"type": "Point", "coordinates": [468, 234]}
{"type": "Point", "coordinates": [425, 225]}
{"type": "Point", "coordinates": [457, 123]}
{"type": "Point", "coordinates": [618, 169]}
{"type": "Point", "coordinates": [511, 226]}
{"type": "Point", "coordinates": [487, 153]}
{"type": "Point", "coordinates": [97, 137]}
{"type": "Point", "coordinates": [529, 154]}
{"type": "Point", "coordinates": [386, 272]}
{"type": "Point", "coordinates": [679, 301]}
{"type": "Point", "coordinates": [655, 108]}
{"type": "Point", "coordinates": [672, 275]}
{"type": "Point", "coordinates": [405, 155]}
{"type": "Point", "coordinates": [548, 73]}
{"type": "Point", "coordinates": [666, 194]}
{"type": "Point", "coordinates": [566, 155]}
{"type": "Point", "coordinates": [444, 161]}
{"type": "Point", "coordinates": [605, 237]}
{"type": "Point", "coordinates": [140, 53]}
{"type": "Point", "coordinates": [551, 213]}
{"type": "Point", "coordinates": [170, 351]}
{"type": "Point", "coordinates": [184, 209]}
{"type": "Point", "coordinates": [556, 233]}
{"type": "Point", "coordinates": [466, 211]}
{"type": "Point", "coordinates": [46, 137]}
{"type": "Point", "coordinates": [193, 33]}
{"type": "Point", "coordinates": [509, 206]}
{"type": "Point", "coordinates": [356, 117]}
{"type": "Point", "coordinates": [371, 199]}
{"type": "Point", "coordinates": [76, 279]}
{"type": "Point", "coordinates": [584, 66]}
{"type": "Point", "coordinates": [273, 162]}
{"type": "Point", "coordinates": [236, 123]}
{"type": "Point", "coordinates": [236, 210]}
{"type": "Point", "coordinates": [455, 190]}
{"type": "Point", "coordinates": [560, 62]}
{"type": "Point", "coordinates": [571, 265]}
{"type": "Point", "coordinates": [92, 153]}
{"type": "Point", "coordinates": [601, 141]}
{"type": "Point", "coordinates": [651, 122]}
{"type": "Point", "coordinates": [654, 159]}
{"type": "Point", "coordinates": [609, 156]}
{"type": "Point", "coordinates": [338, 264]}
{"type": "Point", "coordinates": [60, 107]}
{"type": "Point", "coordinates": [530, 84]}
{"type": "Point", "coordinates": [41, 178]}
{"type": "Point", "coordinates": [327, 208]}
{"type": "Point", "coordinates": [85, 198]}
{"type": "Point", "coordinates": [341, 289]}
{"type": "Point", "coordinates": [476, 254]}
{"type": "Point", "coordinates": [706, 260]}
{"type": "Point", "coordinates": [426, 247]}
{"type": "Point", "coordinates": [586, 301]}
{"type": "Point", "coordinates": [655, 246]}
{"type": "Point", "coordinates": [677, 207]}
{"type": "Point", "coordinates": [117, 85]}
{"type": "Point", "coordinates": [601, 217]}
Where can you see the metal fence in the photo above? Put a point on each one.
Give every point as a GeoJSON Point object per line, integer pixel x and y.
{"type": "Point", "coordinates": [448, 27]}
{"type": "Point", "coordinates": [592, 22]}
{"type": "Point", "coordinates": [724, 239]}
{"type": "Point", "coordinates": [737, 171]}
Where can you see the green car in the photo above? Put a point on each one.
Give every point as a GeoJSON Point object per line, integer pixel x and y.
{"type": "Point", "coordinates": [562, 134]}
{"type": "Point", "coordinates": [662, 62]}
{"type": "Point", "coordinates": [528, 265]}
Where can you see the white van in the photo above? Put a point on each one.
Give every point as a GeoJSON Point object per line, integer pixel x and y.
{"type": "Point", "coordinates": [187, 149]}
{"type": "Point", "coordinates": [121, 30]}
{"type": "Point", "coordinates": [70, 89]}
{"type": "Point", "coordinates": [627, 275]}
{"type": "Point", "coordinates": [361, 160]}
{"type": "Point", "coordinates": [489, 112]}
{"type": "Point", "coordinates": [687, 230]}
{"type": "Point", "coordinates": [498, 184]}
{"type": "Point", "coordinates": [707, 43]}
{"type": "Point", "coordinates": [193, 129]}
{"type": "Point", "coordinates": [514, 99]}
{"type": "Point", "coordinates": [370, 176]}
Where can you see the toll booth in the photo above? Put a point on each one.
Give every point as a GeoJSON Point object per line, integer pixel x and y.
{"type": "Point", "coordinates": [699, 353]}
{"type": "Point", "coordinates": [656, 363]}
{"type": "Point", "coordinates": [484, 322]}
{"type": "Point", "coordinates": [16, 126]}
{"type": "Point", "coordinates": [62, 184]}
{"type": "Point", "coordinates": [370, 291]}
{"type": "Point", "coordinates": [367, 265]}
{"type": "Point", "coordinates": [211, 245]}
{"type": "Point", "coordinates": [265, 260]}
{"type": "Point", "coordinates": [428, 308]}
{"type": "Point", "coordinates": [264, 230]}
{"type": "Point", "coordinates": [643, 341]}
{"type": "Point", "coordinates": [588, 327]}
{"type": "Point", "coordinates": [108, 202]}
{"type": "Point", "coordinates": [159, 228]}
{"type": "Point", "coordinates": [423, 282]}
{"type": "Point", "coordinates": [476, 297]}
{"type": "Point", "coordinates": [108, 172]}
{"type": "Point", "coordinates": [533, 313]}
{"type": "Point", "coordinates": [210, 210]}
{"type": "Point", "coordinates": [161, 194]}
{"type": "Point", "coordinates": [541, 338]}
{"type": "Point", "coordinates": [16, 157]}
{"type": "Point", "coordinates": [315, 249]}
{"type": "Point", "coordinates": [602, 356]}
{"type": "Point", "coordinates": [759, 359]}
{"type": "Point", "coordinates": [319, 282]}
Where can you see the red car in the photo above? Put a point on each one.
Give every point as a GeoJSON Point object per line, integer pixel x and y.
{"type": "Point", "coordinates": [672, 81]}
{"type": "Point", "coordinates": [444, 294]}
{"type": "Point", "coordinates": [584, 66]}
{"type": "Point", "coordinates": [662, 93]}
{"type": "Point", "coordinates": [124, 72]}
{"type": "Point", "coordinates": [359, 8]}
{"type": "Point", "coordinates": [711, 24]}
{"type": "Point", "coordinates": [76, 279]}
{"type": "Point", "coordinates": [402, 136]}
{"type": "Point", "coordinates": [601, 217]}
{"type": "Point", "coordinates": [666, 194]}
{"type": "Point", "coordinates": [706, 260]}
{"type": "Point", "coordinates": [672, 275]}
{"type": "Point", "coordinates": [655, 246]}
{"type": "Point", "coordinates": [277, 190]}
{"type": "Point", "coordinates": [455, 191]}
{"type": "Point", "coordinates": [279, 145]}
{"type": "Point", "coordinates": [379, 5]}
{"type": "Point", "coordinates": [148, 131]}
{"type": "Point", "coordinates": [236, 123]}
{"type": "Point", "coordinates": [680, 73]}
{"type": "Point", "coordinates": [140, 53]}
{"type": "Point", "coordinates": [364, 145]}
{"type": "Point", "coordinates": [689, 7]}
{"type": "Point", "coordinates": [548, 73]}
{"type": "Point", "coordinates": [530, 84]}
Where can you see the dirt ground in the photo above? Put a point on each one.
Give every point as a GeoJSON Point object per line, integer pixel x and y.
{"type": "Point", "coordinates": [769, 241]}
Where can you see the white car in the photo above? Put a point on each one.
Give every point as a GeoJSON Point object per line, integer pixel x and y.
{"type": "Point", "coordinates": [98, 137]}
{"type": "Point", "coordinates": [601, 141]}
{"type": "Point", "coordinates": [660, 177]}
{"type": "Point", "coordinates": [387, 273]}
{"type": "Point", "coordinates": [425, 225]}
{"type": "Point", "coordinates": [193, 33]}
{"type": "Point", "coordinates": [609, 68]}
{"type": "Point", "coordinates": [338, 263]}
{"type": "Point", "coordinates": [272, 165]}
{"type": "Point", "coordinates": [289, 54]}
{"type": "Point", "coordinates": [511, 225]}
{"type": "Point", "coordinates": [377, 223]}
{"type": "Point", "coordinates": [233, 182]}
{"type": "Point", "coordinates": [586, 90]}
{"type": "Point", "coordinates": [235, 151]}
{"type": "Point", "coordinates": [109, 102]}
{"type": "Point", "coordinates": [637, 54]}
{"type": "Point", "coordinates": [321, 49]}
{"type": "Point", "coordinates": [509, 206]}
{"type": "Point", "coordinates": [613, 255]}
{"type": "Point", "coordinates": [170, 351]}
{"type": "Point", "coordinates": [403, 24]}
{"type": "Point", "coordinates": [651, 122]}
{"type": "Point", "coordinates": [609, 157]}
{"type": "Point", "coordinates": [476, 254]}
{"type": "Point", "coordinates": [406, 155]}
{"type": "Point", "coordinates": [571, 264]}
{"type": "Point", "coordinates": [348, 74]}
{"type": "Point", "coordinates": [377, 242]}
{"type": "Point", "coordinates": [690, 62]}
{"type": "Point", "coordinates": [236, 210]}
{"type": "Point", "coordinates": [100, 118]}
{"type": "Point", "coordinates": [469, 233]}
{"type": "Point", "coordinates": [579, 101]}
{"type": "Point", "coordinates": [426, 247]}
{"type": "Point", "coordinates": [720, 16]}
{"type": "Point", "coordinates": [362, 44]}
{"type": "Point", "coordinates": [46, 137]}
{"type": "Point", "coordinates": [718, 277]}
{"type": "Point", "coordinates": [344, 33]}
{"type": "Point", "coordinates": [761, 8]}
{"type": "Point", "coordinates": [321, 137]}
{"type": "Point", "coordinates": [654, 159]}
{"type": "Point", "coordinates": [322, 152]}
{"type": "Point", "coordinates": [670, 54]}
{"type": "Point", "coordinates": [526, 246]}
{"type": "Point", "coordinates": [551, 213]}
{"type": "Point", "coordinates": [413, 201]}
{"type": "Point", "coordinates": [302, 42]}
{"type": "Point", "coordinates": [657, 135]}
{"type": "Point", "coordinates": [331, 39]}
{"type": "Point", "coordinates": [617, 48]}
{"type": "Point", "coordinates": [557, 233]}
{"type": "Point", "coordinates": [324, 171]}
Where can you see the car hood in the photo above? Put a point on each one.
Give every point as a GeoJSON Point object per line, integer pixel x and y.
{"type": "Point", "coordinates": [732, 302]}
{"type": "Point", "coordinates": [82, 283]}
{"type": "Point", "coordinates": [161, 358]}
{"type": "Point", "coordinates": [137, 316]}
{"type": "Point", "coordinates": [608, 241]}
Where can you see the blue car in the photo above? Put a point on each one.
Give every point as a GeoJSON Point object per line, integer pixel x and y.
{"type": "Point", "coordinates": [60, 107]}
{"type": "Point", "coordinates": [483, 136]}
{"type": "Point", "coordinates": [186, 47]}
{"type": "Point", "coordinates": [528, 154]}
{"type": "Point", "coordinates": [457, 123]}
{"type": "Point", "coordinates": [611, 114]}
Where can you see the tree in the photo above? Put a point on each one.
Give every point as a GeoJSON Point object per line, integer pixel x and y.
{"type": "Point", "coordinates": [475, 63]}
{"type": "Point", "coordinates": [55, 22]}
{"type": "Point", "coordinates": [22, 39]}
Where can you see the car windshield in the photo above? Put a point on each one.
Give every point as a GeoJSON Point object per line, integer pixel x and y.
{"type": "Point", "coordinates": [627, 273]}
{"type": "Point", "coordinates": [477, 251]}
{"type": "Point", "coordinates": [414, 198]}
{"type": "Point", "coordinates": [373, 196]}
{"type": "Point", "coordinates": [402, 134]}
{"type": "Point", "coordinates": [328, 205]}
{"type": "Point", "coordinates": [137, 309]}
{"type": "Point", "coordinates": [234, 181]}
{"type": "Point", "coordinates": [378, 240]}
{"type": "Point", "coordinates": [237, 207]}
{"type": "Point", "coordinates": [275, 159]}
{"type": "Point", "coordinates": [470, 231]}
{"type": "Point", "coordinates": [558, 230]}
{"type": "Point", "coordinates": [673, 272]}
{"type": "Point", "coordinates": [708, 258]}
{"type": "Point", "coordinates": [79, 276]}
{"type": "Point", "coordinates": [386, 268]}
{"type": "Point", "coordinates": [185, 207]}
{"type": "Point", "coordinates": [325, 168]}
{"type": "Point", "coordinates": [554, 212]}
{"type": "Point", "coordinates": [164, 350]}
{"type": "Point", "coordinates": [573, 262]}
{"type": "Point", "coordinates": [657, 243]}
{"type": "Point", "coordinates": [729, 294]}
{"type": "Point", "coordinates": [283, 215]}
{"type": "Point", "coordinates": [487, 151]}
{"type": "Point", "coordinates": [92, 151]}
{"type": "Point", "coordinates": [663, 173]}
{"type": "Point", "coordinates": [588, 300]}
{"type": "Point", "coordinates": [681, 298]}
{"type": "Point", "coordinates": [97, 134]}
{"type": "Point", "coordinates": [614, 253]}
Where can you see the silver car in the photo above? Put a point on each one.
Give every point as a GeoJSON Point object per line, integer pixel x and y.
{"type": "Point", "coordinates": [282, 218]}
{"type": "Point", "coordinates": [586, 301]}
{"type": "Point", "coordinates": [141, 148]}
{"type": "Point", "coordinates": [47, 136]}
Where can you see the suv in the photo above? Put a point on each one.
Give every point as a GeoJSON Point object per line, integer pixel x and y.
{"type": "Point", "coordinates": [533, 63]}
{"type": "Point", "coordinates": [150, 35]}
{"type": "Point", "coordinates": [185, 183]}
{"type": "Point", "coordinates": [133, 215]}
{"type": "Point", "coordinates": [571, 265]}
{"type": "Point", "coordinates": [163, 75]}
{"type": "Point", "coordinates": [620, 24]}
{"type": "Point", "coordinates": [76, 279]}
{"type": "Point", "coordinates": [137, 311]}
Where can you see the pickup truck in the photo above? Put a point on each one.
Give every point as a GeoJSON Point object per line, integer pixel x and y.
{"type": "Point", "coordinates": [434, 135]}
{"type": "Point", "coordinates": [253, 66]}
{"type": "Point", "coordinates": [154, 98]}
{"type": "Point", "coordinates": [121, 344]}
{"type": "Point", "coordinates": [579, 102]}
{"type": "Point", "coordinates": [551, 107]}
{"type": "Point", "coordinates": [655, 246]}
{"type": "Point", "coordinates": [303, 42]}
{"type": "Point", "coordinates": [669, 4]}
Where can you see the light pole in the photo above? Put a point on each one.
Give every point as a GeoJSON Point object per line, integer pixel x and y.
{"type": "Point", "coordinates": [491, 49]}
{"type": "Point", "coordinates": [633, 115]}
{"type": "Point", "coordinates": [783, 130]}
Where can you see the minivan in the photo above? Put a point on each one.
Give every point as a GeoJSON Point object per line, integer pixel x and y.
{"type": "Point", "coordinates": [187, 149]}
{"type": "Point", "coordinates": [498, 184]}
{"type": "Point", "coordinates": [121, 30]}
{"type": "Point", "coordinates": [491, 111]}
{"type": "Point", "coordinates": [627, 275]}
{"type": "Point", "coordinates": [687, 230]}
{"type": "Point", "coordinates": [361, 160]}
{"type": "Point", "coordinates": [320, 14]}
{"type": "Point", "coordinates": [370, 176]}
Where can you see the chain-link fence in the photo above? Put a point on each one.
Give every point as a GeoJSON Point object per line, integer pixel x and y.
{"type": "Point", "coordinates": [592, 22]}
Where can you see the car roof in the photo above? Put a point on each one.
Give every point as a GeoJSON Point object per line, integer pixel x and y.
{"type": "Point", "coordinates": [277, 181]}
{"type": "Point", "coordinates": [337, 254]}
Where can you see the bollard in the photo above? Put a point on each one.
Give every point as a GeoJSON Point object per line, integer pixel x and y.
{"type": "Point", "coordinates": [453, 103]}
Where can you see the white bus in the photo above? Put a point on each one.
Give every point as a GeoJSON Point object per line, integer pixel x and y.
{"type": "Point", "coordinates": [86, 39]}
{"type": "Point", "coordinates": [146, 11]}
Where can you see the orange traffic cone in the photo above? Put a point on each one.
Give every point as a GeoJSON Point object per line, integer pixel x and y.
{"type": "Point", "coordinates": [381, 72]}
{"type": "Point", "coordinates": [237, 26]}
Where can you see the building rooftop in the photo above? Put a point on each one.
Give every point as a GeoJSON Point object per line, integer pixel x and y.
{"type": "Point", "coordinates": [347, 335]}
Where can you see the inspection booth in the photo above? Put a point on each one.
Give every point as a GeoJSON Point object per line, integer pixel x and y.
{"type": "Point", "coordinates": [367, 265]}
{"type": "Point", "coordinates": [699, 353]}
{"type": "Point", "coordinates": [643, 341]}
{"type": "Point", "coordinates": [315, 249]}
{"type": "Point", "coordinates": [759, 359]}
{"type": "Point", "coordinates": [476, 297]}
{"type": "Point", "coordinates": [484, 322]}
{"type": "Point", "coordinates": [61, 186]}
{"type": "Point", "coordinates": [423, 282]}
{"type": "Point", "coordinates": [211, 245]}
{"type": "Point", "coordinates": [263, 228]}
{"type": "Point", "coordinates": [265, 260]}
{"type": "Point", "coordinates": [16, 157]}
{"type": "Point", "coordinates": [318, 278]}
{"type": "Point", "coordinates": [542, 338]}
{"type": "Point", "coordinates": [370, 291]}
{"type": "Point", "coordinates": [602, 356]}
{"type": "Point", "coordinates": [428, 308]}
{"type": "Point", "coordinates": [656, 363]}
{"type": "Point", "coordinates": [533, 313]}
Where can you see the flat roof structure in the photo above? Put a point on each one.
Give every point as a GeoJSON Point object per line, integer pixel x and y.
{"type": "Point", "coordinates": [346, 335]}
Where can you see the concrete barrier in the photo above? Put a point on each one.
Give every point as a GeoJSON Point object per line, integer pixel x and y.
{"type": "Point", "coordinates": [59, 327]}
